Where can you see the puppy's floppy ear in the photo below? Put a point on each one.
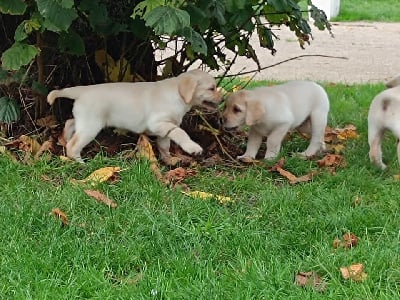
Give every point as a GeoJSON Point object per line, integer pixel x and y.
{"type": "Point", "coordinates": [186, 87]}
{"type": "Point", "coordinates": [254, 112]}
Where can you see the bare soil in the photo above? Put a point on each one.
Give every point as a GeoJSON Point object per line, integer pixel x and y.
{"type": "Point", "coordinates": [371, 51]}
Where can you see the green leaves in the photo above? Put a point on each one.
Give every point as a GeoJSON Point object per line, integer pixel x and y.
{"type": "Point", "coordinates": [167, 20]}
{"type": "Point", "coordinates": [12, 7]}
{"type": "Point", "coordinates": [20, 54]}
{"type": "Point", "coordinates": [58, 14]}
{"type": "Point", "coordinates": [9, 110]}
{"type": "Point", "coordinates": [71, 42]}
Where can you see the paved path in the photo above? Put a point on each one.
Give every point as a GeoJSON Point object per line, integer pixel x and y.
{"type": "Point", "coordinates": [372, 51]}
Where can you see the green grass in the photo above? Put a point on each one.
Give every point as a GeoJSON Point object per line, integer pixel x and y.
{"type": "Point", "coordinates": [160, 244]}
{"type": "Point", "coordinates": [369, 10]}
{"type": "Point", "coordinates": [366, 10]}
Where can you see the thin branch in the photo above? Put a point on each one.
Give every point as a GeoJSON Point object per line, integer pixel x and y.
{"type": "Point", "coordinates": [281, 62]}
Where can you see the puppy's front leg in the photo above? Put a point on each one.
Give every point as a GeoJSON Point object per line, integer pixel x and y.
{"type": "Point", "coordinates": [253, 144]}
{"type": "Point", "coordinates": [178, 135]}
{"type": "Point", "coordinates": [163, 144]}
{"type": "Point", "coordinates": [274, 141]}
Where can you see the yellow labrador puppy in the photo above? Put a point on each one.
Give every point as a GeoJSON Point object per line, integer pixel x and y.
{"type": "Point", "coordinates": [384, 114]}
{"type": "Point", "coordinates": [155, 108]}
{"type": "Point", "coordinates": [273, 111]}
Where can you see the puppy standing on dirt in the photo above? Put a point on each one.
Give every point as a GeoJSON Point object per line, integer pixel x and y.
{"type": "Point", "coordinates": [384, 114]}
{"type": "Point", "coordinates": [273, 111]}
{"type": "Point", "coordinates": [155, 108]}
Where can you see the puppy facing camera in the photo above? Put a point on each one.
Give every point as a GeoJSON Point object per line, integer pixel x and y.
{"type": "Point", "coordinates": [274, 111]}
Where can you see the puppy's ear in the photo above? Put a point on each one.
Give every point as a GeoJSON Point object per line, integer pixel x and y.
{"type": "Point", "coordinates": [186, 87]}
{"type": "Point", "coordinates": [254, 112]}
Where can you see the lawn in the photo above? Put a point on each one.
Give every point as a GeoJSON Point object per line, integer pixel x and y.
{"type": "Point", "coordinates": [161, 244]}
{"type": "Point", "coordinates": [369, 10]}
{"type": "Point", "coordinates": [366, 10]}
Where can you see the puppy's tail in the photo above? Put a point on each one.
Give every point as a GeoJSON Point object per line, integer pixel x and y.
{"type": "Point", "coordinates": [71, 93]}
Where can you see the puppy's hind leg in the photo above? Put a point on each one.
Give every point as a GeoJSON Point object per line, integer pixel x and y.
{"type": "Point", "coordinates": [375, 145]}
{"type": "Point", "coordinates": [318, 120]}
{"type": "Point", "coordinates": [80, 139]}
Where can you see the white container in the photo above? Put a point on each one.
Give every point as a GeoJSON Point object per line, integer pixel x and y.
{"type": "Point", "coordinates": [330, 7]}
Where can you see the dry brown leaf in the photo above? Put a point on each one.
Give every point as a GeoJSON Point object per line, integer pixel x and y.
{"type": "Point", "coordinates": [332, 160]}
{"type": "Point", "coordinates": [29, 144]}
{"type": "Point", "coordinates": [177, 175]}
{"type": "Point", "coordinates": [350, 240]}
{"type": "Point", "coordinates": [279, 164]}
{"type": "Point", "coordinates": [101, 198]}
{"type": "Point", "coordinates": [46, 146]}
{"type": "Point", "coordinates": [48, 121]}
{"type": "Point", "coordinates": [334, 135]}
{"type": "Point", "coordinates": [337, 243]}
{"type": "Point", "coordinates": [61, 215]}
{"type": "Point", "coordinates": [354, 272]}
{"type": "Point", "coordinates": [110, 174]}
{"type": "Point", "coordinates": [310, 279]}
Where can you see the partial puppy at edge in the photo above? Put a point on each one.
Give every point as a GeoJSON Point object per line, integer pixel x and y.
{"type": "Point", "coordinates": [154, 108]}
{"type": "Point", "coordinates": [384, 115]}
{"type": "Point", "coordinates": [274, 111]}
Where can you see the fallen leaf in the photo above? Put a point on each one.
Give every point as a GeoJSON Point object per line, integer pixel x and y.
{"type": "Point", "coordinates": [144, 150]}
{"type": "Point", "coordinates": [207, 196]}
{"type": "Point", "coordinates": [350, 239]}
{"type": "Point", "coordinates": [334, 135]}
{"type": "Point", "coordinates": [310, 279]}
{"type": "Point", "coordinates": [332, 160]}
{"type": "Point", "coordinates": [249, 160]}
{"type": "Point", "coordinates": [48, 121]}
{"type": "Point", "coordinates": [100, 175]}
{"type": "Point", "coordinates": [354, 272]}
{"type": "Point", "coordinates": [29, 144]}
{"type": "Point", "coordinates": [336, 148]}
{"type": "Point", "coordinates": [177, 175]}
{"type": "Point", "coordinates": [61, 215]}
{"type": "Point", "coordinates": [46, 146]}
{"type": "Point", "coordinates": [279, 164]}
{"type": "Point", "coordinates": [337, 243]}
{"type": "Point", "coordinates": [101, 198]}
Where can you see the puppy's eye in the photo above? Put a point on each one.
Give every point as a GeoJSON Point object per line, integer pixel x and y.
{"type": "Point", "coordinates": [212, 88]}
{"type": "Point", "coordinates": [236, 109]}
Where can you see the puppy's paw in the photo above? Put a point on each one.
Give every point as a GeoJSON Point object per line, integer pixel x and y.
{"type": "Point", "coordinates": [269, 155]}
{"type": "Point", "coordinates": [192, 148]}
{"type": "Point", "coordinates": [247, 159]}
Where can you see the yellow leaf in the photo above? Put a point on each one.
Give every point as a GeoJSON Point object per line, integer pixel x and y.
{"type": "Point", "coordinates": [104, 60]}
{"type": "Point", "coordinates": [207, 196]}
{"type": "Point", "coordinates": [99, 175]}
{"type": "Point", "coordinates": [144, 149]}
{"type": "Point", "coordinates": [29, 144]}
{"type": "Point", "coordinates": [121, 67]}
